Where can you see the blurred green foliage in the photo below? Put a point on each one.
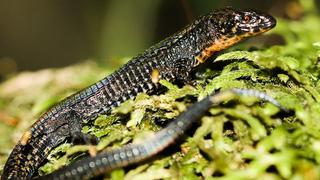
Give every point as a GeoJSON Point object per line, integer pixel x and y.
{"type": "Point", "coordinates": [238, 139]}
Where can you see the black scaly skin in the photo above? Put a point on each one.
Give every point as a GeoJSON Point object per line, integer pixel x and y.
{"type": "Point", "coordinates": [134, 153]}
{"type": "Point", "coordinates": [174, 58]}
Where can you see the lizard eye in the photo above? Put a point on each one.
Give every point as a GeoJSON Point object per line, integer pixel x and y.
{"type": "Point", "coordinates": [246, 18]}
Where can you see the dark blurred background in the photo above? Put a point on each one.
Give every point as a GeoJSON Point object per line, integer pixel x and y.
{"type": "Point", "coordinates": [37, 34]}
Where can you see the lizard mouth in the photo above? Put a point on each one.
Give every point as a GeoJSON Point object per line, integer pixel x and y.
{"type": "Point", "coordinates": [268, 22]}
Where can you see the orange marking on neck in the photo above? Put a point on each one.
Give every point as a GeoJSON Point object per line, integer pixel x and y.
{"type": "Point", "coordinates": [223, 43]}
{"type": "Point", "coordinates": [220, 44]}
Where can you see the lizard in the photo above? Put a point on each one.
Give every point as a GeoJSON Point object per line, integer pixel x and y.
{"type": "Point", "coordinates": [89, 167]}
{"type": "Point", "coordinates": [175, 58]}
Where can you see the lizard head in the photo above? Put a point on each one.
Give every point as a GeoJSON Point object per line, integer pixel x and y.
{"type": "Point", "coordinates": [225, 27]}
{"type": "Point", "coordinates": [229, 22]}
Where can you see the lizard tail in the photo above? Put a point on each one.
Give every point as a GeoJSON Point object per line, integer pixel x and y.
{"type": "Point", "coordinates": [25, 159]}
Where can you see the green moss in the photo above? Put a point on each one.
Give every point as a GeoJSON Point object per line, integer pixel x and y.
{"type": "Point", "coordinates": [239, 139]}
